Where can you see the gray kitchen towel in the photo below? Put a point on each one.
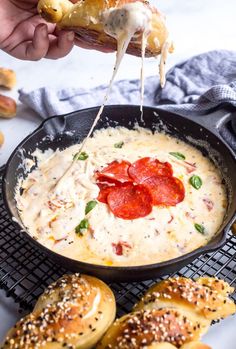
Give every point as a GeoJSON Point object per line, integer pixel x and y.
{"type": "Point", "coordinates": [196, 86]}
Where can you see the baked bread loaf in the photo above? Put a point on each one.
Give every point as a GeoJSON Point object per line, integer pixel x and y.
{"type": "Point", "coordinates": [7, 78]}
{"type": "Point", "coordinates": [147, 328]}
{"type": "Point", "coordinates": [1, 138]}
{"type": "Point", "coordinates": [100, 22]}
{"type": "Point", "coordinates": [206, 298]}
{"type": "Point", "coordinates": [7, 107]}
{"type": "Point", "coordinates": [74, 312]}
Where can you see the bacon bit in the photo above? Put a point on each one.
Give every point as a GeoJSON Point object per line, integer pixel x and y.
{"type": "Point", "coordinates": [209, 204]}
{"type": "Point", "coordinates": [151, 219]}
{"type": "Point", "coordinates": [53, 206]}
{"type": "Point", "coordinates": [91, 231]}
{"type": "Point", "coordinates": [191, 168]}
{"type": "Point", "coordinates": [60, 240]}
{"type": "Point", "coordinates": [51, 221]}
{"type": "Point", "coordinates": [118, 248]}
{"type": "Point", "coordinates": [187, 165]}
{"type": "Point", "coordinates": [171, 219]}
{"type": "Point", "coordinates": [190, 215]}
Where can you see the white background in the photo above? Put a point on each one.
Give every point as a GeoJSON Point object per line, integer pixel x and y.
{"type": "Point", "coordinates": [196, 26]}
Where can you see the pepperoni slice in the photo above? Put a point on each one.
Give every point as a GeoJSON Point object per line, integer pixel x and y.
{"type": "Point", "coordinates": [147, 167]}
{"type": "Point", "coordinates": [116, 170]}
{"type": "Point", "coordinates": [167, 191]}
{"type": "Point", "coordinates": [130, 201]}
{"type": "Point", "coordinates": [105, 189]}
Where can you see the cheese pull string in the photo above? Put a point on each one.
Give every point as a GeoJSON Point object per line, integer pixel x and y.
{"type": "Point", "coordinates": [162, 66]}
{"type": "Point", "coordinates": [122, 45]}
{"type": "Point", "coordinates": [143, 50]}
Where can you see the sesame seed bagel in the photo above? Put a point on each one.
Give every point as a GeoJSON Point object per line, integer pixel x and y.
{"type": "Point", "coordinates": [86, 19]}
{"type": "Point", "coordinates": [206, 298]}
{"type": "Point", "coordinates": [145, 328]}
{"type": "Point", "coordinates": [74, 312]}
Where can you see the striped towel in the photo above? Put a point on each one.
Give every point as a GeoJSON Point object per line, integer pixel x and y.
{"type": "Point", "coordinates": [197, 86]}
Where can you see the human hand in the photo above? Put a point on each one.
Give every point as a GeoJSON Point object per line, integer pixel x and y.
{"type": "Point", "coordinates": [25, 35]}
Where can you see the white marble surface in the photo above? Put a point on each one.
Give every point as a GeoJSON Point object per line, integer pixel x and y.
{"type": "Point", "coordinates": [196, 26]}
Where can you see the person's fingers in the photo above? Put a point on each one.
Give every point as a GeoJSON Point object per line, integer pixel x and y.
{"type": "Point", "coordinates": [61, 45]}
{"type": "Point", "coordinates": [35, 49]}
{"type": "Point", "coordinates": [39, 47]}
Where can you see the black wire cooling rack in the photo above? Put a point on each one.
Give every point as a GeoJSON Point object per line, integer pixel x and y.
{"type": "Point", "coordinates": [25, 272]}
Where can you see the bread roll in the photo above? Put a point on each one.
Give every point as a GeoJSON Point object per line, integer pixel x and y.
{"type": "Point", "coordinates": [73, 312]}
{"type": "Point", "coordinates": [1, 138]}
{"type": "Point", "coordinates": [7, 107]}
{"type": "Point", "coordinates": [7, 78]}
{"type": "Point", "coordinates": [234, 228]}
{"type": "Point", "coordinates": [205, 298]}
{"type": "Point", "coordinates": [146, 328]}
{"type": "Point", "coordinates": [96, 21]}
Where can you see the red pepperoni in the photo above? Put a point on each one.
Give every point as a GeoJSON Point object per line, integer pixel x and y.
{"type": "Point", "coordinates": [105, 189]}
{"type": "Point", "coordinates": [167, 191]}
{"type": "Point", "coordinates": [116, 170]}
{"type": "Point", "coordinates": [130, 201]}
{"type": "Point", "coordinates": [147, 167]}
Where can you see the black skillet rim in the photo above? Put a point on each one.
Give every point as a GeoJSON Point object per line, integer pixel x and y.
{"type": "Point", "coordinates": [148, 267]}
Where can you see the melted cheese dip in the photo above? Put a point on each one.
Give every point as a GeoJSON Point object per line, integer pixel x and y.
{"type": "Point", "coordinates": [167, 232]}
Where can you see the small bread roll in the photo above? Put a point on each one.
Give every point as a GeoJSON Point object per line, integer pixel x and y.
{"type": "Point", "coordinates": [74, 312]}
{"type": "Point", "coordinates": [149, 327]}
{"type": "Point", "coordinates": [7, 107]}
{"type": "Point", "coordinates": [206, 298]}
{"type": "Point", "coordinates": [89, 19]}
{"type": "Point", "coordinates": [234, 228]}
{"type": "Point", "coordinates": [1, 138]}
{"type": "Point", "coordinates": [7, 78]}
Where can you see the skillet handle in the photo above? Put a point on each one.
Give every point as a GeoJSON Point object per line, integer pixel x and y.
{"type": "Point", "coordinates": [216, 123]}
{"type": "Point", "coordinates": [213, 121]}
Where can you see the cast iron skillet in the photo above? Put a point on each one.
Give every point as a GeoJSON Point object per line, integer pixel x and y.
{"type": "Point", "coordinates": [65, 130]}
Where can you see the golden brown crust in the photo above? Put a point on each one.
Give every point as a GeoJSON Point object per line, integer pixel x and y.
{"type": "Point", "coordinates": [234, 228]}
{"type": "Point", "coordinates": [85, 18]}
{"type": "Point", "coordinates": [148, 327]}
{"type": "Point", "coordinates": [72, 313]}
{"type": "Point", "coordinates": [1, 138]}
{"type": "Point", "coordinates": [207, 298]}
{"type": "Point", "coordinates": [7, 107]}
{"type": "Point", "coordinates": [7, 78]}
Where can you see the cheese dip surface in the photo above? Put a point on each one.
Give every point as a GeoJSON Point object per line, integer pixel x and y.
{"type": "Point", "coordinates": [67, 217]}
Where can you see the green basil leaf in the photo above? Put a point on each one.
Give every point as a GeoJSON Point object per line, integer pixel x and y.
{"type": "Point", "coordinates": [119, 144]}
{"type": "Point", "coordinates": [90, 206]}
{"type": "Point", "coordinates": [196, 182]}
{"type": "Point", "coordinates": [80, 156]}
{"type": "Point", "coordinates": [82, 227]}
{"type": "Point", "coordinates": [178, 155]}
{"type": "Point", "coordinates": [200, 228]}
